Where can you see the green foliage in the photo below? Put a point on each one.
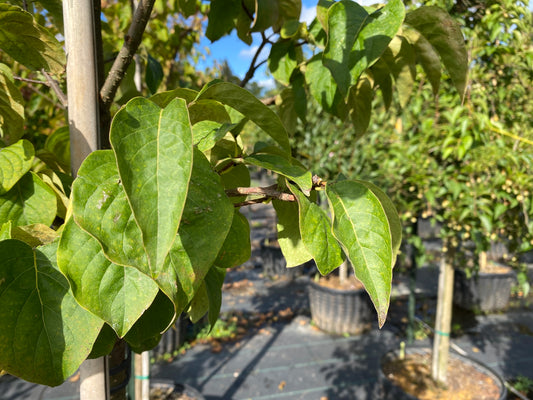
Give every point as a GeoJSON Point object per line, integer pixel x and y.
{"type": "Point", "coordinates": [148, 228]}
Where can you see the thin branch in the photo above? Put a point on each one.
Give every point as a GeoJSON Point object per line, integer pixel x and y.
{"type": "Point", "coordinates": [55, 87]}
{"type": "Point", "coordinates": [20, 78]}
{"type": "Point", "coordinates": [128, 50]}
{"type": "Point", "coordinates": [269, 192]}
{"type": "Point", "coordinates": [250, 202]}
{"type": "Point", "coordinates": [251, 71]}
{"type": "Point", "coordinates": [47, 98]}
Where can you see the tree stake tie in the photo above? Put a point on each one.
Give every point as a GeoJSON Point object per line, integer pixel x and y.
{"type": "Point", "coordinates": [445, 334]}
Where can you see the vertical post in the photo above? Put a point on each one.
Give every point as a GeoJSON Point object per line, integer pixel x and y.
{"type": "Point", "coordinates": [83, 118]}
{"type": "Point", "coordinates": [443, 318]}
{"type": "Point", "coordinates": [82, 80]}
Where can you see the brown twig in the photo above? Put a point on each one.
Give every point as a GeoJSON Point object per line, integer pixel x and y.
{"type": "Point", "coordinates": [55, 87]}
{"type": "Point", "coordinates": [270, 192]}
{"type": "Point", "coordinates": [28, 80]}
{"type": "Point", "coordinates": [128, 50]}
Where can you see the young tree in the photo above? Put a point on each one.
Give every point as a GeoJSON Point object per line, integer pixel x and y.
{"type": "Point", "coordinates": [149, 226]}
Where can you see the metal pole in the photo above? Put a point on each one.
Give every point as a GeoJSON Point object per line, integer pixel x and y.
{"type": "Point", "coordinates": [83, 118]}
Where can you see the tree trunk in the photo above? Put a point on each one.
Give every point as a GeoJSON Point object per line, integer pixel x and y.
{"type": "Point", "coordinates": [443, 318]}
{"type": "Point", "coordinates": [83, 118]}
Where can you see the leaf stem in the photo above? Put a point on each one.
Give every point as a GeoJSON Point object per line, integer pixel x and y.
{"type": "Point", "coordinates": [269, 192]}
{"type": "Point", "coordinates": [55, 87]}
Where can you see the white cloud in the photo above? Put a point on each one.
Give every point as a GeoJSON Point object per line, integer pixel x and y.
{"type": "Point", "coordinates": [308, 14]}
{"type": "Point", "coordinates": [248, 52]}
{"type": "Point", "coordinates": [267, 84]}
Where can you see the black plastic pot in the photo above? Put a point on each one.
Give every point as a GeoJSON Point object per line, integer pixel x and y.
{"type": "Point", "coordinates": [340, 311]}
{"type": "Point", "coordinates": [393, 392]}
{"type": "Point", "coordinates": [174, 389]}
{"type": "Point", "coordinates": [484, 292]}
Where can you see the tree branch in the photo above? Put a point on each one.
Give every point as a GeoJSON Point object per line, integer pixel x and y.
{"type": "Point", "coordinates": [251, 71]}
{"type": "Point", "coordinates": [269, 192]}
{"type": "Point", "coordinates": [128, 50]}
{"type": "Point", "coordinates": [20, 78]}
{"type": "Point", "coordinates": [55, 87]}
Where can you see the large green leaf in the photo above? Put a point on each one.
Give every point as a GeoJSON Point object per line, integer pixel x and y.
{"type": "Point", "coordinates": [206, 221]}
{"type": "Point", "coordinates": [360, 224]}
{"type": "Point", "coordinates": [208, 110]}
{"type": "Point", "coordinates": [117, 294]}
{"type": "Point", "coordinates": [356, 39]}
{"type": "Point", "coordinates": [101, 208]}
{"type": "Point", "coordinates": [345, 20]}
{"type": "Point", "coordinates": [401, 59]}
{"type": "Point", "coordinates": [236, 248]}
{"type": "Point", "coordinates": [145, 334]}
{"type": "Point", "coordinates": [11, 108]}
{"type": "Point", "coordinates": [426, 56]}
{"type": "Point", "coordinates": [360, 102]}
{"type": "Point", "coordinates": [164, 98]}
{"type": "Point", "coordinates": [248, 105]}
{"type": "Point", "coordinates": [28, 42]}
{"type": "Point", "coordinates": [236, 176]}
{"type": "Point", "coordinates": [283, 59]}
{"type": "Point", "coordinates": [30, 201]}
{"type": "Point", "coordinates": [153, 148]}
{"type": "Point", "coordinates": [283, 166]}
{"type": "Point", "coordinates": [154, 74]}
{"type": "Point", "coordinates": [324, 88]}
{"type": "Point", "coordinates": [221, 18]}
{"type": "Point", "coordinates": [395, 223]}
{"type": "Point", "coordinates": [58, 143]}
{"type": "Point", "coordinates": [317, 235]}
{"type": "Point", "coordinates": [289, 238]}
{"type": "Point", "coordinates": [207, 133]}
{"type": "Point", "coordinates": [444, 34]}
{"type": "Point", "coordinates": [45, 334]}
{"type": "Point", "coordinates": [15, 161]}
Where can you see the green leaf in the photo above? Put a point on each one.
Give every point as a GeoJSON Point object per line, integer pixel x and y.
{"type": "Point", "coordinates": [236, 176]}
{"type": "Point", "coordinates": [289, 238]}
{"type": "Point", "coordinates": [188, 7]}
{"type": "Point", "coordinates": [58, 143]}
{"type": "Point", "coordinates": [382, 78]}
{"type": "Point", "coordinates": [104, 342]}
{"type": "Point", "coordinates": [34, 235]}
{"type": "Point", "coordinates": [248, 105]}
{"type": "Point", "coordinates": [146, 332]}
{"type": "Point", "coordinates": [444, 34]}
{"type": "Point", "coordinates": [266, 15]}
{"type": "Point", "coordinates": [236, 249]}
{"type": "Point", "coordinates": [206, 221]}
{"type": "Point", "coordinates": [286, 110]}
{"type": "Point", "coordinates": [30, 201]}
{"type": "Point", "coordinates": [207, 133]}
{"type": "Point", "coordinates": [221, 18]}
{"type": "Point", "coordinates": [393, 219]}
{"type": "Point", "coordinates": [281, 165]}
{"type": "Point", "coordinates": [5, 230]}
{"type": "Point", "coordinates": [28, 42]}
{"type": "Point", "coordinates": [360, 102]}
{"type": "Point", "coordinates": [322, 12]}
{"type": "Point", "coordinates": [208, 110]}
{"type": "Point", "coordinates": [299, 95]}
{"type": "Point", "coordinates": [213, 282]}
{"type": "Point", "coordinates": [344, 21]}
{"type": "Point", "coordinates": [401, 60]}
{"type": "Point", "coordinates": [323, 87]}
{"type": "Point", "coordinates": [117, 294]}
{"type": "Point", "coordinates": [356, 39]}
{"type": "Point", "coordinates": [40, 340]}
{"type": "Point", "coordinates": [317, 235]}
{"type": "Point", "coordinates": [154, 74]}
{"type": "Point", "coordinates": [100, 207]}
{"type": "Point", "coordinates": [379, 29]}
{"type": "Point", "coordinates": [164, 98]}
{"type": "Point", "coordinates": [360, 224]}
{"type": "Point", "coordinates": [60, 188]}
{"type": "Point", "coordinates": [284, 58]}
{"type": "Point", "coordinates": [15, 161]}
{"type": "Point", "coordinates": [153, 147]}
{"type": "Point", "coordinates": [11, 108]}
{"type": "Point", "coordinates": [426, 56]}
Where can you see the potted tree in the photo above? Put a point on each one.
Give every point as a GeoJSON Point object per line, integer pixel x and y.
{"type": "Point", "coordinates": [471, 191]}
